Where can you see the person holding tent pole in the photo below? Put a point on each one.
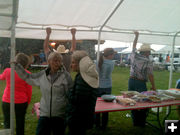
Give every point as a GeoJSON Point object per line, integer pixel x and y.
{"type": "Point", "coordinates": [23, 93]}
{"type": "Point", "coordinates": [141, 70]}
{"type": "Point", "coordinates": [54, 83]}
{"type": "Point", "coordinates": [66, 53]}
{"type": "Point", "coordinates": [105, 67]}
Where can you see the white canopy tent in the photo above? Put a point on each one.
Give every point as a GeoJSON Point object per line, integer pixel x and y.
{"type": "Point", "coordinates": [167, 50]}
{"type": "Point", "coordinates": [157, 20]}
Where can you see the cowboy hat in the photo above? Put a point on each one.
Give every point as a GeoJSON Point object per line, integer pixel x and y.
{"type": "Point", "coordinates": [88, 72]}
{"type": "Point", "coordinates": [145, 48]}
{"type": "Point", "coordinates": [61, 49]}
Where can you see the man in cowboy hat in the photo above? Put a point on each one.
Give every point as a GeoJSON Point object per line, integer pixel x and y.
{"type": "Point", "coordinates": [141, 70]}
{"type": "Point", "coordinates": [66, 53]}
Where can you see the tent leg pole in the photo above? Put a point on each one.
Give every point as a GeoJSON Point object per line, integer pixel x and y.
{"type": "Point", "coordinates": [171, 69]}
{"type": "Point", "coordinates": [12, 80]}
{"type": "Point", "coordinates": [172, 60]}
{"type": "Point", "coordinates": [13, 44]}
{"type": "Point", "coordinates": [98, 51]}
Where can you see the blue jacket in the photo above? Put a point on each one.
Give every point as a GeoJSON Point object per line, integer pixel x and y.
{"type": "Point", "coordinates": [178, 84]}
{"type": "Point", "coordinates": [105, 79]}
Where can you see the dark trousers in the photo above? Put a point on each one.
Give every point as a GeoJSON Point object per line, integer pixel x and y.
{"type": "Point", "coordinates": [76, 128]}
{"type": "Point", "coordinates": [102, 118]}
{"type": "Point", "coordinates": [103, 121]}
{"type": "Point", "coordinates": [46, 126]}
{"type": "Point", "coordinates": [20, 111]}
{"type": "Point", "coordinates": [79, 122]}
{"type": "Point", "coordinates": [138, 116]}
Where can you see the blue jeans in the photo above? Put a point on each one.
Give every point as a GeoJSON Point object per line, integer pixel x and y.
{"type": "Point", "coordinates": [46, 125]}
{"type": "Point", "coordinates": [138, 116]}
{"type": "Point", "coordinates": [136, 85]}
{"type": "Point", "coordinates": [102, 91]}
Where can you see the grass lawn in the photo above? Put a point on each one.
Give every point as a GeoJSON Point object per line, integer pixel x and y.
{"type": "Point", "coordinates": [118, 124]}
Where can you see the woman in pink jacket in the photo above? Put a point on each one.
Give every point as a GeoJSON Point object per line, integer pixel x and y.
{"type": "Point", "coordinates": [23, 92]}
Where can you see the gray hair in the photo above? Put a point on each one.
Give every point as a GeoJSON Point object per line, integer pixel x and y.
{"type": "Point", "coordinates": [55, 54]}
{"type": "Point", "coordinates": [78, 55]}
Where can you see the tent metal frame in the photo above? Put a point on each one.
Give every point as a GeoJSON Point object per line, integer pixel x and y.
{"type": "Point", "coordinates": [12, 58]}
{"type": "Point", "coordinates": [100, 30]}
{"type": "Point", "coordinates": [172, 60]}
{"type": "Point", "coordinates": [6, 15]}
{"type": "Point", "coordinates": [107, 31]}
{"type": "Point", "coordinates": [13, 44]}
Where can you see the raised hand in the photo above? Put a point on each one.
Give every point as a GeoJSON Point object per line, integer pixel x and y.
{"type": "Point", "coordinates": [135, 39]}
{"type": "Point", "coordinates": [136, 33]}
{"type": "Point", "coordinates": [48, 30]}
{"type": "Point", "coordinates": [73, 31]}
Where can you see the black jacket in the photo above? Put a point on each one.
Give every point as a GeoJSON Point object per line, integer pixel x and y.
{"type": "Point", "coordinates": [82, 102]}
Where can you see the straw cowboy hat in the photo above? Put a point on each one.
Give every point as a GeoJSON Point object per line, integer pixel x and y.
{"type": "Point", "coordinates": [88, 72]}
{"type": "Point", "coordinates": [61, 49]}
{"type": "Point", "coordinates": [145, 48]}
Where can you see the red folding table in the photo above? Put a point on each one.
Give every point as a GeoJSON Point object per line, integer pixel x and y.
{"type": "Point", "coordinates": [102, 106]}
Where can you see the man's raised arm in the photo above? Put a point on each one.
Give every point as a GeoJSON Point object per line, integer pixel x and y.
{"type": "Point", "coordinates": [135, 39]}
{"type": "Point", "coordinates": [46, 41]}
{"type": "Point", "coordinates": [73, 46]}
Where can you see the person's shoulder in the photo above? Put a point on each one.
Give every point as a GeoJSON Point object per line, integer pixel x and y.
{"type": "Point", "coordinates": [109, 61]}
{"type": "Point", "coordinates": [27, 71]}
{"type": "Point", "coordinates": [66, 73]}
{"type": "Point", "coordinates": [67, 55]}
{"type": "Point", "coordinates": [7, 69]}
{"type": "Point", "coordinates": [113, 61]}
{"type": "Point", "coordinates": [178, 81]}
{"type": "Point", "coordinates": [70, 52]}
{"type": "Point", "coordinates": [48, 53]}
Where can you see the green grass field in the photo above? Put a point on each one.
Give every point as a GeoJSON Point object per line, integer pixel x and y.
{"type": "Point", "coordinates": [118, 124]}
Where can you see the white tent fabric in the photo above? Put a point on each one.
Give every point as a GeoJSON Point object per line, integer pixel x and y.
{"type": "Point", "coordinates": [167, 50]}
{"type": "Point", "coordinates": [5, 14]}
{"type": "Point", "coordinates": [157, 20]}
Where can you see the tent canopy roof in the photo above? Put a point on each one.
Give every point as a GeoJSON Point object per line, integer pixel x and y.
{"type": "Point", "coordinates": [156, 20]}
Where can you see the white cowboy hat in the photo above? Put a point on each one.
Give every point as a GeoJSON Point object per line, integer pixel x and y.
{"type": "Point", "coordinates": [145, 48]}
{"type": "Point", "coordinates": [88, 72]}
{"type": "Point", "coordinates": [61, 49]}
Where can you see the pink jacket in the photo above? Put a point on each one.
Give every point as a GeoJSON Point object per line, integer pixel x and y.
{"type": "Point", "coordinates": [23, 91]}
